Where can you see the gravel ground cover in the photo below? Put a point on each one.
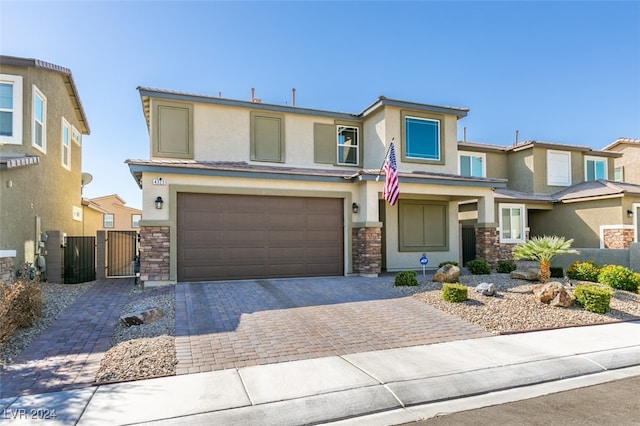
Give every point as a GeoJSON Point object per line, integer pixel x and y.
{"type": "Point", "coordinates": [148, 350]}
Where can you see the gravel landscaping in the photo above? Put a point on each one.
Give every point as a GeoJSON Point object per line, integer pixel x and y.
{"type": "Point", "coordinates": [149, 349]}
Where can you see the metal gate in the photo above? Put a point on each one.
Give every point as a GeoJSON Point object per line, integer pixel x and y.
{"type": "Point", "coordinates": [79, 260]}
{"type": "Point", "coordinates": [468, 244]}
{"type": "Point", "coordinates": [122, 249]}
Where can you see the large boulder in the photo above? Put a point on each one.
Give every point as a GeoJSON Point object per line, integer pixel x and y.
{"type": "Point", "coordinates": [553, 293]}
{"type": "Point", "coordinates": [141, 317]}
{"type": "Point", "coordinates": [447, 274]}
{"type": "Point", "coordinates": [532, 274]}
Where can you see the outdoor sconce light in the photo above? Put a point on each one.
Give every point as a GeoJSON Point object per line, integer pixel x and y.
{"type": "Point", "coordinates": [629, 213]}
{"type": "Point", "coordinates": [159, 202]}
{"type": "Point", "coordinates": [355, 208]}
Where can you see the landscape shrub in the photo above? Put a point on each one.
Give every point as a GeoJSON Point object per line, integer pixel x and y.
{"type": "Point", "coordinates": [505, 266]}
{"type": "Point", "coordinates": [593, 298]}
{"type": "Point", "coordinates": [406, 278]}
{"type": "Point", "coordinates": [20, 304]}
{"type": "Point", "coordinates": [557, 272]}
{"type": "Point", "coordinates": [455, 292]}
{"type": "Point", "coordinates": [448, 262]}
{"type": "Point", "coordinates": [479, 267]}
{"type": "Point", "coordinates": [619, 277]}
{"type": "Point", "coordinates": [583, 271]}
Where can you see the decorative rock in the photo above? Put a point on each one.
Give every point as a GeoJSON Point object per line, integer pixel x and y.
{"type": "Point", "coordinates": [142, 317]}
{"type": "Point", "coordinates": [447, 274]}
{"type": "Point", "coordinates": [553, 293]}
{"type": "Point", "coordinates": [563, 299]}
{"type": "Point", "coordinates": [529, 274]}
{"type": "Point", "coordinates": [486, 289]}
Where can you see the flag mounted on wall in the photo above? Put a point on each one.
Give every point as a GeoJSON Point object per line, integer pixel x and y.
{"type": "Point", "coordinates": [391, 190]}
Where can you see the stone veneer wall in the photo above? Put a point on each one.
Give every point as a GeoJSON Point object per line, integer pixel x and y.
{"type": "Point", "coordinates": [154, 253]}
{"type": "Point", "coordinates": [6, 270]}
{"type": "Point", "coordinates": [620, 238]}
{"type": "Point", "coordinates": [488, 246]}
{"type": "Point", "coordinates": [367, 250]}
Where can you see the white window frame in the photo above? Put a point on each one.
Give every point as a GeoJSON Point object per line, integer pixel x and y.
{"type": "Point", "coordinates": [553, 181]}
{"type": "Point", "coordinates": [339, 145]}
{"type": "Point", "coordinates": [104, 220]}
{"type": "Point", "coordinates": [37, 93]}
{"type": "Point", "coordinates": [65, 154]}
{"type": "Point", "coordinates": [133, 222]}
{"type": "Point", "coordinates": [76, 213]}
{"type": "Point", "coordinates": [407, 139]}
{"type": "Point", "coordinates": [76, 136]}
{"type": "Point", "coordinates": [16, 110]}
{"type": "Point", "coordinates": [523, 226]}
{"type": "Point", "coordinates": [588, 158]}
{"type": "Point", "coordinates": [481, 155]}
{"type": "Point", "coordinates": [621, 168]}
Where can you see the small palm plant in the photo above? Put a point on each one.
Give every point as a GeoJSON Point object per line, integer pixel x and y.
{"type": "Point", "coordinates": [543, 249]}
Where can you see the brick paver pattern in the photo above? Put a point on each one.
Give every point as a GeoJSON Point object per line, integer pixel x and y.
{"type": "Point", "coordinates": [67, 354]}
{"type": "Point", "coordinates": [223, 325]}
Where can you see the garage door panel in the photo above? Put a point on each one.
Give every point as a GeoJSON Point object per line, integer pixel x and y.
{"type": "Point", "coordinates": [240, 236]}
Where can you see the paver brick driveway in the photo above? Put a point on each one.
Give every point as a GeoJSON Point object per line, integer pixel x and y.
{"type": "Point", "coordinates": [235, 324]}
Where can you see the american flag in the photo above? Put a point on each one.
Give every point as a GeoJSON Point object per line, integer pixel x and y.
{"type": "Point", "coordinates": [391, 190]}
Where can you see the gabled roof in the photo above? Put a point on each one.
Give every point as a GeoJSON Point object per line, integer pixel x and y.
{"type": "Point", "coordinates": [621, 141]}
{"type": "Point", "coordinates": [68, 81]}
{"type": "Point", "coordinates": [504, 194]}
{"type": "Point", "coordinates": [596, 189]}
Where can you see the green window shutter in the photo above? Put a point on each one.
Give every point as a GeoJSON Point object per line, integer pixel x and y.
{"type": "Point", "coordinates": [267, 137]}
{"type": "Point", "coordinates": [324, 143]}
{"type": "Point", "coordinates": [423, 226]}
{"type": "Point", "coordinates": [173, 130]}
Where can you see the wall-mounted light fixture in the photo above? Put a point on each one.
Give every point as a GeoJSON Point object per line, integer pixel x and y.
{"type": "Point", "coordinates": [159, 202]}
{"type": "Point", "coordinates": [355, 208]}
{"type": "Point", "coordinates": [629, 213]}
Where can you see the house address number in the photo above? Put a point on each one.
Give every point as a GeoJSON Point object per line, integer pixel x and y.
{"type": "Point", "coordinates": [159, 181]}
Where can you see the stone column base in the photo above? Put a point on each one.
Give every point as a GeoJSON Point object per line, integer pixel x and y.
{"type": "Point", "coordinates": [367, 250]}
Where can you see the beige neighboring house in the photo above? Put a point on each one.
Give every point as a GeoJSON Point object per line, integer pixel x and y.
{"type": "Point", "coordinates": [116, 215]}
{"type": "Point", "coordinates": [41, 128]}
{"type": "Point", "coordinates": [237, 189]}
{"type": "Point", "coordinates": [627, 166]}
{"type": "Point", "coordinates": [552, 189]}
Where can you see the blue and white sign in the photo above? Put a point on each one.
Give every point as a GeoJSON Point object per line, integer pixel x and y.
{"type": "Point", "coordinates": [424, 260]}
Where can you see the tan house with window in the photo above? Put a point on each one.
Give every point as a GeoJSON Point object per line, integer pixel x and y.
{"type": "Point", "coordinates": [42, 122]}
{"type": "Point", "coordinates": [552, 189]}
{"type": "Point", "coordinates": [238, 189]}
{"type": "Point", "coordinates": [116, 215]}
{"type": "Point", "coordinates": [627, 166]}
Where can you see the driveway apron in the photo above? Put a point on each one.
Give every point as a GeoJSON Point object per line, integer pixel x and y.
{"type": "Point", "coordinates": [67, 354]}
{"type": "Point", "coordinates": [223, 325]}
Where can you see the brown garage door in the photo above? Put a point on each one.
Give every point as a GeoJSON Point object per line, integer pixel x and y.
{"type": "Point", "coordinates": [242, 236]}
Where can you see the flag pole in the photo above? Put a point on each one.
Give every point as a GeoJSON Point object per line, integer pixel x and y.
{"type": "Point", "coordinates": [383, 160]}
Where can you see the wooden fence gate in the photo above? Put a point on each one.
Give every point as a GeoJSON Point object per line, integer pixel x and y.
{"type": "Point", "coordinates": [122, 249]}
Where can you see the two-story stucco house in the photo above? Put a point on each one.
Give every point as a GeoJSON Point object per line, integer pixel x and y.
{"type": "Point", "coordinates": [42, 122]}
{"type": "Point", "coordinates": [116, 214]}
{"type": "Point", "coordinates": [553, 189]}
{"type": "Point", "coordinates": [238, 189]}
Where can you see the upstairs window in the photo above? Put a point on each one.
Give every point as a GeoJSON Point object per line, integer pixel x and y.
{"type": "Point", "coordinates": [511, 223]}
{"type": "Point", "coordinates": [618, 174]}
{"type": "Point", "coordinates": [39, 126]}
{"type": "Point", "coordinates": [108, 220]}
{"type": "Point", "coordinates": [10, 109]}
{"type": "Point", "coordinates": [66, 144]}
{"type": "Point", "coordinates": [595, 168]}
{"type": "Point", "coordinates": [472, 164]}
{"type": "Point", "coordinates": [135, 220]}
{"type": "Point", "coordinates": [348, 145]}
{"type": "Point", "coordinates": [422, 139]}
{"type": "Point", "coordinates": [76, 136]}
{"type": "Point", "coordinates": [558, 168]}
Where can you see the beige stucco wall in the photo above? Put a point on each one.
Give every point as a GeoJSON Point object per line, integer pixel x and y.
{"type": "Point", "coordinates": [630, 160]}
{"type": "Point", "coordinates": [521, 170]}
{"type": "Point", "coordinates": [47, 191]}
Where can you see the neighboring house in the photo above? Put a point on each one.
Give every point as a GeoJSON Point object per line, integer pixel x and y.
{"type": "Point", "coordinates": [41, 126]}
{"type": "Point", "coordinates": [553, 189]}
{"type": "Point", "coordinates": [237, 189]}
{"type": "Point", "coordinates": [627, 166]}
{"type": "Point", "coordinates": [116, 215]}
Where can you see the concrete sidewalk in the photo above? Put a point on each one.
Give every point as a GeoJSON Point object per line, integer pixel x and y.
{"type": "Point", "coordinates": [381, 387]}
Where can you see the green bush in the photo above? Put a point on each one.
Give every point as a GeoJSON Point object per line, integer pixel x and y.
{"type": "Point", "coordinates": [479, 267]}
{"type": "Point", "coordinates": [584, 271]}
{"type": "Point", "coordinates": [20, 304]}
{"type": "Point", "coordinates": [619, 277]}
{"type": "Point", "coordinates": [406, 278]}
{"type": "Point", "coordinates": [455, 292]}
{"type": "Point", "coordinates": [505, 266]}
{"type": "Point", "coordinates": [448, 262]}
{"type": "Point", "coordinates": [557, 272]}
{"type": "Point", "coordinates": [593, 298]}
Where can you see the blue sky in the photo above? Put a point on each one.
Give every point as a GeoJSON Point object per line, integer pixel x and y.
{"type": "Point", "coordinates": [566, 72]}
